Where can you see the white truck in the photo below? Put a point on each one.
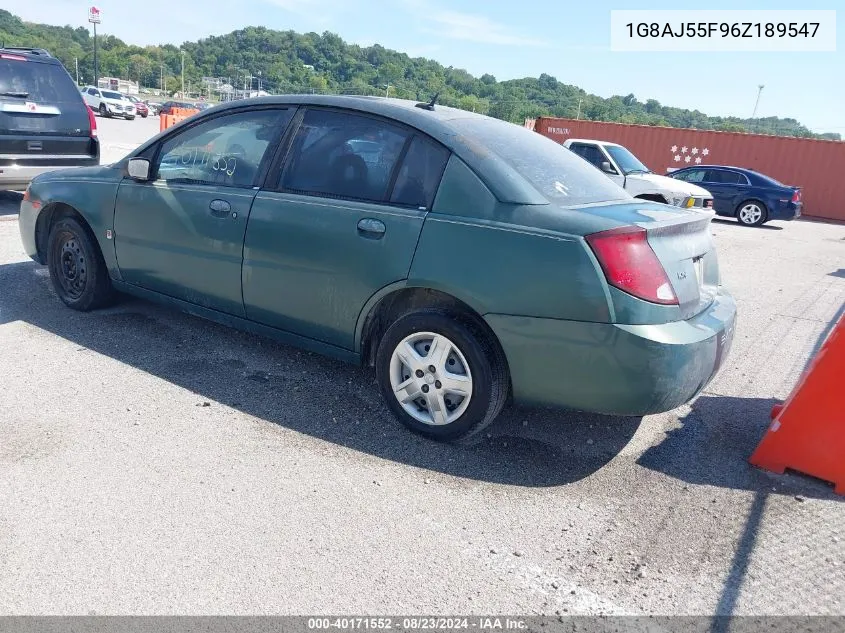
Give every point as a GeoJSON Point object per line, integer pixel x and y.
{"type": "Point", "coordinates": [628, 172]}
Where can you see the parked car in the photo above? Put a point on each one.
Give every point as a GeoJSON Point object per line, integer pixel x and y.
{"type": "Point", "coordinates": [44, 123]}
{"type": "Point", "coordinates": [167, 106]}
{"type": "Point", "coordinates": [141, 108]}
{"type": "Point", "coordinates": [154, 107]}
{"type": "Point", "coordinates": [626, 170]}
{"type": "Point", "coordinates": [747, 195]}
{"type": "Point", "coordinates": [467, 259]}
{"type": "Point", "coordinates": [108, 103]}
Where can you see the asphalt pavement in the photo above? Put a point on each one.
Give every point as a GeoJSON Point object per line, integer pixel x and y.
{"type": "Point", "coordinates": [155, 463]}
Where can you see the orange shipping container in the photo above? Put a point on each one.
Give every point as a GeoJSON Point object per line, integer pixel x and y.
{"type": "Point", "coordinates": [814, 165]}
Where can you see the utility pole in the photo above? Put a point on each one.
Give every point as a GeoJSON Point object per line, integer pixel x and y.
{"type": "Point", "coordinates": [76, 63]}
{"type": "Point", "coordinates": [757, 102]}
{"type": "Point", "coordinates": [259, 82]}
{"type": "Point", "coordinates": [94, 19]}
{"type": "Point", "coordinates": [387, 90]}
{"type": "Point", "coordinates": [578, 116]}
{"type": "Point", "coordinates": [183, 74]}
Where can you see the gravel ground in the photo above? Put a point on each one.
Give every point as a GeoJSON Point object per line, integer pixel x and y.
{"type": "Point", "coordinates": [154, 463]}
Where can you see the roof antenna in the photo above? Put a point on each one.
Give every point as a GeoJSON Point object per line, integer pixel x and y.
{"type": "Point", "coordinates": [430, 104]}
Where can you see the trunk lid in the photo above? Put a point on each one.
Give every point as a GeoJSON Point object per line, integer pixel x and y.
{"type": "Point", "coordinates": [682, 241]}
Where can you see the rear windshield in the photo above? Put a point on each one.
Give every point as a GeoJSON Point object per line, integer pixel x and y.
{"type": "Point", "coordinates": [769, 180]}
{"type": "Point", "coordinates": [560, 175]}
{"type": "Point", "coordinates": [112, 95]}
{"type": "Point", "coordinates": [36, 82]}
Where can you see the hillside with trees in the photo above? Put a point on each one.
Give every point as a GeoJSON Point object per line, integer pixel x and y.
{"type": "Point", "coordinates": [289, 62]}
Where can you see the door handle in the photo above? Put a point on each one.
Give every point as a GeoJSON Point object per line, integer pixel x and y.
{"type": "Point", "coordinates": [370, 227]}
{"type": "Point", "coordinates": [220, 208]}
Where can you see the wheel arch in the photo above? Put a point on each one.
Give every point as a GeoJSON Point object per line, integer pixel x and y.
{"type": "Point", "coordinates": [396, 299]}
{"type": "Point", "coordinates": [48, 216]}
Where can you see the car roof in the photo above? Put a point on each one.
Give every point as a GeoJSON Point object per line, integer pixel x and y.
{"type": "Point", "coordinates": [31, 54]}
{"type": "Point", "coordinates": [591, 140]}
{"type": "Point", "coordinates": [744, 170]}
{"type": "Point", "coordinates": [438, 123]}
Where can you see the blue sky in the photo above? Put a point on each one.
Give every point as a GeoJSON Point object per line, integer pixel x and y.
{"type": "Point", "coordinates": [569, 40]}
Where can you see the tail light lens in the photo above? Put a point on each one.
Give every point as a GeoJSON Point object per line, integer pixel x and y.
{"type": "Point", "coordinates": [796, 196]}
{"type": "Point", "coordinates": [630, 264]}
{"type": "Point", "coordinates": [92, 120]}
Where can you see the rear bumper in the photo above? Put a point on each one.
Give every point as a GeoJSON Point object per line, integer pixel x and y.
{"type": "Point", "coordinates": [19, 176]}
{"type": "Point", "coordinates": [788, 211]}
{"type": "Point", "coordinates": [612, 368]}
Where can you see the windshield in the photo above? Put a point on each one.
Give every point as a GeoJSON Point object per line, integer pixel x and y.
{"type": "Point", "coordinates": [627, 162]}
{"type": "Point", "coordinates": [112, 95]}
{"type": "Point", "coordinates": [557, 173]}
{"type": "Point", "coordinates": [36, 82]}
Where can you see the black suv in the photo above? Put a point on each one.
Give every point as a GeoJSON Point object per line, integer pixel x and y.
{"type": "Point", "coordinates": [44, 122]}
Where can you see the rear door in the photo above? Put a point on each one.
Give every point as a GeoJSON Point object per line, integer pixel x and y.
{"type": "Point", "coordinates": [43, 118]}
{"type": "Point", "coordinates": [342, 222]}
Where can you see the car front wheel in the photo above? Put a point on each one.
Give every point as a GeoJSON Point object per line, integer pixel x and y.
{"type": "Point", "coordinates": [77, 269]}
{"type": "Point", "coordinates": [441, 375]}
{"type": "Point", "coordinates": [752, 213]}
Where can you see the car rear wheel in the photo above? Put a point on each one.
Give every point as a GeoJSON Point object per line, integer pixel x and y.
{"type": "Point", "coordinates": [441, 375]}
{"type": "Point", "coordinates": [752, 213]}
{"type": "Point", "coordinates": [77, 268]}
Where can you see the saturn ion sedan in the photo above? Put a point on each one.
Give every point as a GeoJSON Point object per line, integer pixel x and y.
{"type": "Point", "coordinates": [471, 261]}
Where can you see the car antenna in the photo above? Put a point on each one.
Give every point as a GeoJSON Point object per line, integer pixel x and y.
{"type": "Point", "coordinates": [430, 104]}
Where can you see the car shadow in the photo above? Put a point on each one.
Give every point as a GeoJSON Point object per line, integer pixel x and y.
{"type": "Point", "coordinates": [712, 445]}
{"type": "Point", "coordinates": [766, 227]}
{"type": "Point", "coordinates": [838, 273]}
{"type": "Point", "coordinates": [311, 394]}
{"type": "Point", "coordinates": [10, 202]}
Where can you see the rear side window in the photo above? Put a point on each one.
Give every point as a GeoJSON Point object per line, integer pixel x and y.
{"type": "Point", "coordinates": [343, 155]}
{"type": "Point", "coordinates": [724, 177]}
{"type": "Point", "coordinates": [420, 174]}
{"type": "Point", "coordinates": [590, 153]}
{"type": "Point", "coordinates": [36, 82]}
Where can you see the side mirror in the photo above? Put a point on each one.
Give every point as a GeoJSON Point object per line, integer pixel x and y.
{"type": "Point", "coordinates": [606, 167]}
{"type": "Point", "coordinates": [138, 169]}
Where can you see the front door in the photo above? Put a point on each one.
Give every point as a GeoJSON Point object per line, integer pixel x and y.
{"type": "Point", "coordinates": [342, 223]}
{"type": "Point", "coordinates": [182, 233]}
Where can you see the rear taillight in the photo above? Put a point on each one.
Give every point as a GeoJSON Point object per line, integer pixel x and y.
{"type": "Point", "coordinates": [16, 58]}
{"type": "Point", "coordinates": [630, 264]}
{"type": "Point", "coordinates": [796, 196]}
{"type": "Point", "coordinates": [92, 120]}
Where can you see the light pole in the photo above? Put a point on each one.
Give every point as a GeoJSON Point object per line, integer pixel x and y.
{"type": "Point", "coordinates": [183, 74]}
{"type": "Point", "coordinates": [757, 102]}
{"type": "Point", "coordinates": [76, 63]}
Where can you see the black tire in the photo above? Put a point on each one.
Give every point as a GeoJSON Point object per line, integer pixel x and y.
{"type": "Point", "coordinates": [130, 118]}
{"type": "Point", "coordinates": [104, 112]}
{"type": "Point", "coordinates": [742, 217]}
{"type": "Point", "coordinates": [76, 265]}
{"type": "Point", "coordinates": [485, 359]}
{"type": "Point", "coordinates": [144, 116]}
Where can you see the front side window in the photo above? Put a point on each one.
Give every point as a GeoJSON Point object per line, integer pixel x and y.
{"type": "Point", "coordinates": [226, 150]}
{"type": "Point", "coordinates": [693, 175]}
{"type": "Point", "coordinates": [343, 155]}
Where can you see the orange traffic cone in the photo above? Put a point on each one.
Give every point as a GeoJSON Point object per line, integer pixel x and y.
{"type": "Point", "coordinates": [807, 433]}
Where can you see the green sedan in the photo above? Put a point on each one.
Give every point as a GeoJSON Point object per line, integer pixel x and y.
{"type": "Point", "coordinates": [471, 261]}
